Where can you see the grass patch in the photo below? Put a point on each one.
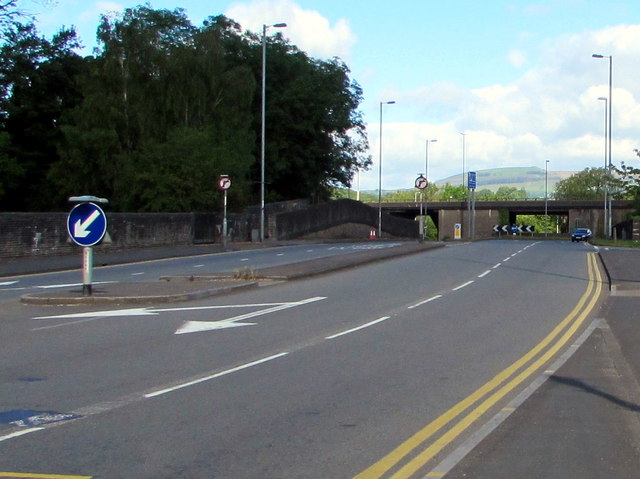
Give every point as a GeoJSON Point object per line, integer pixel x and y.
{"type": "Point", "coordinates": [245, 273]}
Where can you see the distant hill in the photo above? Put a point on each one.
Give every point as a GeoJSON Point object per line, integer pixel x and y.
{"type": "Point", "coordinates": [530, 178]}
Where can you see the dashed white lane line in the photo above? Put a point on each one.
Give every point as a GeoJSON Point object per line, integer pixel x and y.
{"type": "Point", "coordinates": [497, 266]}
{"type": "Point", "coordinates": [433, 298]}
{"type": "Point", "coordinates": [214, 376]}
{"type": "Point", "coordinates": [348, 331]}
{"type": "Point", "coordinates": [506, 259]}
{"type": "Point", "coordinates": [484, 274]}
{"type": "Point", "coordinates": [464, 285]}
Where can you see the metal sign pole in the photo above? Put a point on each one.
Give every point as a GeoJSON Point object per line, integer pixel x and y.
{"type": "Point", "coordinates": [87, 270]}
{"type": "Point", "coordinates": [224, 220]}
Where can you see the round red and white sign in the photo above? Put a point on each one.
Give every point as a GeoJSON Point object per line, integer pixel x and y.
{"type": "Point", "coordinates": [224, 182]}
{"type": "Point", "coordinates": [421, 182]}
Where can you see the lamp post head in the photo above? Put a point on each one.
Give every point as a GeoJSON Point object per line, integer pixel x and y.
{"type": "Point", "coordinates": [279, 25]}
{"type": "Point", "coordinates": [602, 98]}
{"type": "Point", "coordinates": [596, 55]}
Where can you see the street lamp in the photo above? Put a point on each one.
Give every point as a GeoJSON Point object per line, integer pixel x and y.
{"type": "Point", "coordinates": [606, 186]}
{"type": "Point", "coordinates": [380, 172]}
{"type": "Point", "coordinates": [546, 196]}
{"type": "Point", "coordinates": [263, 121]}
{"type": "Point", "coordinates": [463, 154]}
{"type": "Point", "coordinates": [426, 161]}
{"type": "Point", "coordinates": [426, 174]}
{"type": "Point", "coordinates": [610, 106]}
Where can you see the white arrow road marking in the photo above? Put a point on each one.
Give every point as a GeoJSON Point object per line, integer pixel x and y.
{"type": "Point", "coordinates": [80, 228]}
{"type": "Point", "coordinates": [192, 326]}
{"type": "Point", "coordinates": [200, 326]}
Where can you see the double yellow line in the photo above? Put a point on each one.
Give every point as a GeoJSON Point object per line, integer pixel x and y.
{"type": "Point", "coordinates": [492, 392]}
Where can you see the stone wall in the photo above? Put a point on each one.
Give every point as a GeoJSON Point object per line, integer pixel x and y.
{"type": "Point", "coordinates": [23, 234]}
{"type": "Point", "coordinates": [327, 216]}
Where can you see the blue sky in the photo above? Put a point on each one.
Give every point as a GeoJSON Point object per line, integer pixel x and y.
{"type": "Point", "coordinates": [516, 77]}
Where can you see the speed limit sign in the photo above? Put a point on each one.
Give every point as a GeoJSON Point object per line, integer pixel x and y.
{"type": "Point", "coordinates": [224, 182]}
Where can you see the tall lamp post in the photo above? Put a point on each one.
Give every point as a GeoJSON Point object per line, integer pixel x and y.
{"type": "Point", "coordinates": [263, 121]}
{"type": "Point", "coordinates": [426, 174]}
{"type": "Point", "coordinates": [610, 105]}
{"type": "Point", "coordinates": [380, 172]}
{"type": "Point", "coordinates": [546, 196]}
{"type": "Point", "coordinates": [463, 155]}
{"type": "Point", "coordinates": [606, 186]}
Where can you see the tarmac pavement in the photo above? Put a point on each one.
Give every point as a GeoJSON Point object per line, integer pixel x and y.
{"type": "Point", "coordinates": [582, 422]}
{"type": "Point", "coordinates": [191, 287]}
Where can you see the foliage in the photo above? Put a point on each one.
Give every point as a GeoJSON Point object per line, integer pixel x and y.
{"type": "Point", "coordinates": [37, 85]}
{"type": "Point", "coordinates": [589, 184]}
{"type": "Point", "coordinates": [163, 108]}
{"type": "Point", "coordinates": [631, 183]}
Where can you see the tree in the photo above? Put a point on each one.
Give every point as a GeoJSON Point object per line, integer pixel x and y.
{"type": "Point", "coordinates": [630, 178]}
{"type": "Point", "coordinates": [164, 113]}
{"type": "Point", "coordinates": [589, 184]}
{"type": "Point", "coordinates": [11, 14]}
{"type": "Point", "coordinates": [37, 85]}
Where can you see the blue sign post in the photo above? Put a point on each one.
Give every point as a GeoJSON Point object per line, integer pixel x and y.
{"type": "Point", "coordinates": [87, 225]}
{"type": "Point", "coordinates": [472, 180]}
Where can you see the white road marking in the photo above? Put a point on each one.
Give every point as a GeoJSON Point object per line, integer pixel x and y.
{"type": "Point", "coordinates": [433, 298]}
{"type": "Point", "coordinates": [379, 320]}
{"type": "Point", "coordinates": [484, 274]}
{"type": "Point", "coordinates": [497, 266]}
{"type": "Point", "coordinates": [214, 376]}
{"type": "Point", "coordinates": [462, 285]}
{"type": "Point", "coordinates": [137, 274]}
{"type": "Point", "coordinates": [505, 260]}
{"type": "Point", "coordinates": [69, 285]}
{"type": "Point", "coordinates": [20, 433]}
{"type": "Point", "coordinates": [7, 283]}
{"type": "Point", "coordinates": [198, 265]}
{"type": "Point", "coordinates": [201, 326]}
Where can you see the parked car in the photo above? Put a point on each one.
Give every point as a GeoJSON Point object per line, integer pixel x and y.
{"type": "Point", "coordinates": [581, 234]}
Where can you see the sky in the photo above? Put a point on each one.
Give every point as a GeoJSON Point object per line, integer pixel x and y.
{"type": "Point", "coordinates": [498, 83]}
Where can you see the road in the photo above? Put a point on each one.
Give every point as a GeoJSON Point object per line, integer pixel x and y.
{"type": "Point", "coordinates": [377, 371]}
{"type": "Point", "coordinates": [12, 287]}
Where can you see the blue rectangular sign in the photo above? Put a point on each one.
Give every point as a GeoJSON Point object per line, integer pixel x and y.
{"type": "Point", "coordinates": [472, 180]}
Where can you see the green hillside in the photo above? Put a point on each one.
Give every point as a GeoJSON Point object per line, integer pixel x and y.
{"type": "Point", "coordinates": [530, 178]}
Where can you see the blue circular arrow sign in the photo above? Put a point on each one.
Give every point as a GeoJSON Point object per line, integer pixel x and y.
{"type": "Point", "coordinates": [86, 224]}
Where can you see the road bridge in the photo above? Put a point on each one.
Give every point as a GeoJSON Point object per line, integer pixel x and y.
{"type": "Point", "coordinates": [446, 214]}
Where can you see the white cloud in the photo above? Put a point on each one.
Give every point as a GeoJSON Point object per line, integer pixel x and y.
{"type": "Point", "coordinates": [551, 112]}
{"type": "Point", "coordinates": [516, 58]}
{"type": "Point", "coordinates": [308, 29]}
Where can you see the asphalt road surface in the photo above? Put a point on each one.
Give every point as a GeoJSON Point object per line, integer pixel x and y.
{"type": "Point", "coordinates": [377, 371]}
{"type": "Point", "coordinates": [12, 287]}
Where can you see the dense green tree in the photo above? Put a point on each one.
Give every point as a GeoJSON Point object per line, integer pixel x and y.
{"type": "Point", "coordinates": [163, 108]}
{"type": "Point", "coordinates": [589, 184]}
{"type": "Point", "coordinates": [163, 115]}
{"type": "Point", "coordinates": [630, 179]}
{"type": "Point", "coordinates": [452, 193]}
{"type": "Point", "coordinates": [37, 85]}
{"type": "Point", "coordinates": [509, 193]}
